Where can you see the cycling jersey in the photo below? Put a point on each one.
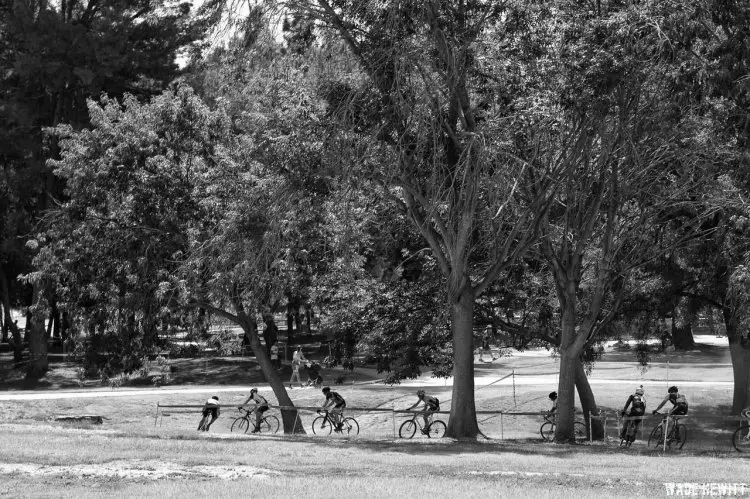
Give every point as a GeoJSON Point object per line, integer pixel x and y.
{"type": "Point", "coordinates": [261, 401]}
{"type": "Point", "coordinates": [638, 403]}
{"type": "Point", "coordinates": [336, 399]}
{"type": "Point", "coordinates": [432, 403]}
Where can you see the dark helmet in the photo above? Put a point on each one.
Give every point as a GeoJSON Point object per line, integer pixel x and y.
{"type": "Point", "coordinates": [672, 389]}
{"type": "Point", "coordinates": [553, 395]}
{"type": "Point", "coordinates": [326, 389]}
{"type": "Point", "coordinates": [254, 390]}
{"type": "Point", "coordinates": [215, 397]}
{"type": "Point", "coordinates": [420, 393]}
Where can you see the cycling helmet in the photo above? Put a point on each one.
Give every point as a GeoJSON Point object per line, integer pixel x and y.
{"type": "Point", "coordinates": [672, 389]}
{"type": "Point", "coordinates": [639, 390]}
{"type": "Point", "coordinates": [553, 395]}
{"type": "Point", "coordinates": [215, 397]}
{"type": "Point", "coordinates": [254, 390]}
{"type": "Point", "coordinates": [326, 389]}
{"type": "Point", "coordinates": [420, 393]}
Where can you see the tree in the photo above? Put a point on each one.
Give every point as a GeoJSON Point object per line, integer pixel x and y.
{"type": "Point", "coordinates": [169, 208]}
{"type": "Point", "coordinates": [421, 118]}
{"type": "Point", "coordinates": [54, 56]}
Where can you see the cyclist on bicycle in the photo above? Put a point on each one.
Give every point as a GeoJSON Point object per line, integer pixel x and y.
{"type": "Point", "coordinates": [431, 404]}
{"type": "Point", "coordinates": [679, 402]}
{"type": "Point", "coordinates": [553, 411]}
{"type": "Point", "coordinates": [637, 404]}
{"type": "Point", "coordinates": [337, 404]}
{"type": "Point", "coordinates": [260, 408]}
{"type": "Point", "coordinates": [210, 408]}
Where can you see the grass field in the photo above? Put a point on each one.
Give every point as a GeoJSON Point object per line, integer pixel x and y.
{"type": "Point", "coordinates": [129, 455]}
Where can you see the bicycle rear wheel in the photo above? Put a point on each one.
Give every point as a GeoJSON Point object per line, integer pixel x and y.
{"type": "Point", "coordinates": [741, 438]}
{"type": "Point", "coordinates": [656, 438]}
{"type": "Point", "coordinates": [321, 426]}
{"type": "Point", "coordinates": [350, 426]}
{"type": "Point", "coordinates": [579, 432]}
{"type": "Point", "coordinates": [679, 436]}
{"type": "Point", "coordinates": [240, 425]}
{"type": "Point", "coordinates": [408, 429]}
{"type": "Point", "coordinates": [436, 429]}
{"type": "Point", "coordinates": [269, 424]}
{"type": "Point", "coordinates": [548, 431]}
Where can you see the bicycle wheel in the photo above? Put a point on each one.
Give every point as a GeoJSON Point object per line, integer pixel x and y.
{"type": "Point", "coordinates": [436, 429]}
{"type": "Point", "coordinates": [579, 432]}
{"type": "Point", "coordinates": [350, 426]}
{"type": "Point", "coordinates": [679, 437]}
{"type": "Point", "coordinates": [548, 431]}
{"type": "Point", "coordinates": [657, 436]}
{"type": "Point", "coordinates": [269, 424]}
{"type": "Point", "coordinates": [408, 429]}
{"type": "Point", "coordinates": [240, 425]}
{"type": "Point", "coordinates": [321, 426]}
{"type": "Point", "coordinates": [741, 438]}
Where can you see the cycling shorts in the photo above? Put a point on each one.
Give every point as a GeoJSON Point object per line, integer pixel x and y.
{"type": "Point", "coordinates": [211, 411]}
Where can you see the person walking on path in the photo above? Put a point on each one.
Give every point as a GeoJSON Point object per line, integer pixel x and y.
{"type": "Point", "coordinates": [486, 349]}
{"type": "Point", "coordinates": [275, 356]}
{"type": "Point", "coordinates": [297, 360]}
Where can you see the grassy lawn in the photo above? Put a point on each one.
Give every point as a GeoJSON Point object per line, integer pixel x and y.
{"type": "Point", "coordinates": [48, 461]}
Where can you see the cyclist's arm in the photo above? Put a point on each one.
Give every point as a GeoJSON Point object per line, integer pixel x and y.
{"type": "Point", "coordinates": [661, 405]}
{"type": "Point", "coordinates": [627, 404]}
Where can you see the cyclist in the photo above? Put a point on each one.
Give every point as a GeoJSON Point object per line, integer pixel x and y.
{"type": "Point", "coordinates": [637, 404]}
{"type": "Point", "coordinates": [431, 404]}
{"type": "Point", "coordinates": [553, 411]}
{"type": "Point", "coordinates": [260, 408]}
{"type": "Point", "coordinates": [337, 404]}
{"type": "Point", "coordinates": [210, 408]}
{"type": "Point", "coordinates": [679, 402]}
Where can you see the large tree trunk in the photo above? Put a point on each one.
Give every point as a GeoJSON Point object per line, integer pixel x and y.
{"type": "Point", "coordinates": [463, 417]}
{"type": "Point", "coordinates": [570, 362]}
{"type": "Point", "coordinates": [37, 334]}
{"type": "Point", "coordinates": [739, 350]}
{"type": "Point", "coordinates": [595, 427]}
{"type": "Point", "coordinates": [290, 418]}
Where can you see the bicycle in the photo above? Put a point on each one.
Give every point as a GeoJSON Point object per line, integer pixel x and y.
{"type": "Point", "coordinates": [434, 429]}
{"type": "Point", "coordinates": [349, 426]}
{"type": "Point", "coordinates": [268, 423]}
{"type": "Point", "coordinates": [676, 435]}
{"type": "Point", "coordinates": [547, 430]}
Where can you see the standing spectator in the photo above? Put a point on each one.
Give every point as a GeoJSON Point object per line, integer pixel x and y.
{"type": "Point", "coordinates": [275, 356]}
{"type": "Point", "coordinates": [297, 360]}
{"type": "Point", "coordinates": [486, 349]}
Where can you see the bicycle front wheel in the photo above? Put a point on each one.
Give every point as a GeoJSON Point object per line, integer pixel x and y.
{"type": "Point", "coordinates": [240, 425]}
{"type": "Point", "coordinates": [656, 439]}
{"type": "Point", "coordinates": [579, 432]}
{"type": "Point", "coordinates": [680, 436]}
{"type": "Point", "coordinates": [548, 431]}
{"type": "Point", "coordinates": [321, 426]}
{"type": "Point", "coordinates": [269, 424]}
{"type": "Point", "coordinates": [408, 429]}
{"type": "Point", "coordinates": [436, 429]}
{"type": "Point", "coordinates": [741, 438]}
{"type": "Point", "coordinates": [350, 426]}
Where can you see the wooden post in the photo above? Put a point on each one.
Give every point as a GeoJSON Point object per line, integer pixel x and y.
{"type": "Point", "coordinates": [393, 418]}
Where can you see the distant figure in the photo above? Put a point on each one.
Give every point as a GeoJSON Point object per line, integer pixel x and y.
{"type": "Point", "coordinates": [486, 345]}
{"type": "Point", "coordinates": [297, 360]}
{"type": "Point", "coordinates": [210, 408]}
{"type": "Point", "coordinates": [275, 356]}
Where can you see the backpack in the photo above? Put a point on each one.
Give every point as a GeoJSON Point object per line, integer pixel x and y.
{"type": "Point", "coordinates": [436, 403]}
{"type": "Point", "coordinates": [638, 404]}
